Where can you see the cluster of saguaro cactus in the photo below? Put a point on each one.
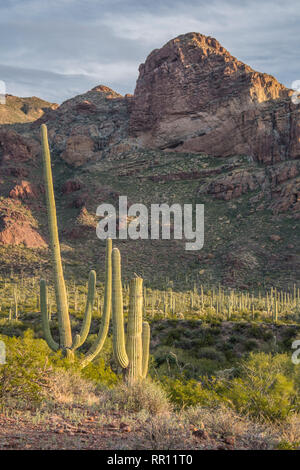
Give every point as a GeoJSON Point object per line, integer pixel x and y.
{"type": "Point", "coordinates": [135, 360]}
{"type": "Point", "coordinates": [132, 355]}
{"type": "Point", "coordinates": [66, 343]}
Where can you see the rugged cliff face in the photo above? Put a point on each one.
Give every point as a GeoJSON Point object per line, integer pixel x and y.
{"type": "Point", "coordinates": [193, 95]}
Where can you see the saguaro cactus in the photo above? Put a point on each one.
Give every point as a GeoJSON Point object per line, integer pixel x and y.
{"type": "Point", "coordinates": [66, 343]}
{"type": "Point", "coordinates": [133, 356]}
{"type": "Point", "coordinates": [60, 288]}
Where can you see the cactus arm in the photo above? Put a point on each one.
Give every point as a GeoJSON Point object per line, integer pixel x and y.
{"type": "Point", "coordinates": [134, 331]}
{"type": "Point", "coordinates": [80, 339]}
{"type": "Point", "coordinates": [117, 311]}
{"type": "Point", "coordinates": [60, 288]}
{"type": "Point", "coordinates": [145, 346]}
{"type": "Point", "coordinates": [45, 320]}
{"type": "Point", "coordinates": [98, 344]}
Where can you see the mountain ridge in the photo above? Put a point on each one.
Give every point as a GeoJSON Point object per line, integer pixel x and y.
{"type": "Point", "coordinates": [246, 165]}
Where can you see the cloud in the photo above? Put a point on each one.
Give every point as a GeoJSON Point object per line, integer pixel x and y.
{"type": "Point", "coordinates": [51, 86]}
{"type": "Point", "coordinates": [54, 48]}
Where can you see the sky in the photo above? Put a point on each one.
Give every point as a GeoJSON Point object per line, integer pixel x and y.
{"type": "Point", "coordinates": [56, 49]}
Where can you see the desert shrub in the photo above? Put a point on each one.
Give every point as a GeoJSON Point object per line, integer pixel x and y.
{"type": "Point", "coordinates": [24, 376]}
{"type": "Point", "coordinates": [184, 343]}
{"type": "Point", "coordinates": [33, 373]}
{"type": "Point", "coordinates": [145, 396]}
{"type": "Point", "coordinates": [288, 336]}
{"type": "Point", "coordinates": [69, 387]}
{"type": "Point", "coordinates": [185, 364]}
{"type": "Point", "coordinates": [12, 328]}
{"type": "Point", "coordinates": [165, 432]}
{"type": "Point", "coordinates": [223, 422]}
{"type": "Point", "coordinates": [100, 373]}
{"type": "Point", "coordinates": [191, 392]}
{"type": "Point", "coordinates": [286, 445]}
{"type": "Point", "coordinates": [211, 353]}
{"type": "Point", "coordinates": [259, 332]}
{"type": "Point", "coordinates": [172, 335]}
{"type": "Point", "coordinates": [250, 344]}
{"type": "Point", "coordinates": [266, 386]}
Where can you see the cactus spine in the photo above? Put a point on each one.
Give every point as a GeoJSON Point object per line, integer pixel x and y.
{"type": "Point", "coordinates": [66, 344]}
{"type": "Point", "coordinates": [134, 355]}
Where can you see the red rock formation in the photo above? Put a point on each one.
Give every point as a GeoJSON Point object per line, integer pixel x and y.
{"type": "Point", "coordinates": [20, 233]}
{"type": "Point", "coordinates": [24, 190]}
{"type": "Point", "coordinates": [70, 186]}
{"type": "Point", "coordinates": [192, 95]}
{"type": "Point", "coordinates": [17, 227]}
{"type": "Point", "coordinates": [16, 148]}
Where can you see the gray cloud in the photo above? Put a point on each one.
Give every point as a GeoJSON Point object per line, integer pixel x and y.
{"type": "Point", "coordinates": [56, 49]}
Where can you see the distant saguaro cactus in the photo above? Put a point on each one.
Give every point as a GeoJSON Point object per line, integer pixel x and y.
{"type": "Point", "coordinates": [133, 356]}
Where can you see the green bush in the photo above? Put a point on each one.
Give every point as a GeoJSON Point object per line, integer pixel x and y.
{"type": "Point", "coordinates": [30, 367]}
{"type": "Point", "coordinates": [266, 387]}
{"type": "Point", "coordinates": [286, 445]}
{"type": "Point", "coordinates": [211, 353]}
{"type": "Point", "coordinates": [24, 376]}
{"type": "Point", "coordinates": [145, 396]}
{"type": "Point", "coordinates": [191, 393]}
{"type": "Point", "coordinates": [100, 373]}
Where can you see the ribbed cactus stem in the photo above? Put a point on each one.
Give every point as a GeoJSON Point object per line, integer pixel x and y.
{"type": "Point", "coordinates": [98, 344]}
{"type": "Point", "coordinates": [81, 337]}
{"type": "Point", "coordinates": [45, 319]}
{"type": "Point", "coordinates": [117, 311]}
{"type": "Point", "coordinates": [145, 348]}
{"type": "Point", "coordinates": [134, 331]}
{"type": "Point", "coordinates": [60, 288]}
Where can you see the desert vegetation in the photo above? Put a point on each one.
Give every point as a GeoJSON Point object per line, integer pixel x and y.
{"type": "Point", "coordinates": [214, 373]}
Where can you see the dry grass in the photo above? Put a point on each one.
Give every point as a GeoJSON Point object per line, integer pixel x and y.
{"type": "Point", "coordinates": [66, 387]}
{"type": "Point", "coordinates": [224, 423]}
{"type": "Point", "coordinates": [145, 396]}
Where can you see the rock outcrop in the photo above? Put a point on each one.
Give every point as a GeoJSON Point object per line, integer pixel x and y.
{"type": "Point", "coordinates": [88, 126]}
{"type": "Point", "coordinates": [15, 148]}
{"type": "Point", "coordinates": [17, 226]}
{"type": "Point", "coordinates": [193, 95]}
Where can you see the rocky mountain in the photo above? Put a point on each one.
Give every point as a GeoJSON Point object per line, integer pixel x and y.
{"type": "Point", "coordinates": [193, 95]}
{"type": "Point", "coordinates": [200, 127]}
{"type": "Point", "coordinates": [23, 110]}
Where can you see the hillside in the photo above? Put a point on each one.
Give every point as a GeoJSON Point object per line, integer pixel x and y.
{"type": "Point", "coordinates": [201, 127]}
{"type": "Point", "coordinates": [21, 110]}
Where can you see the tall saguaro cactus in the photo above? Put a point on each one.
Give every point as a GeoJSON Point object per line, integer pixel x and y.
{"type": "Point", "coordinates": [133, 355]}
{"type": "Point", "coordinates": [60, 288]}
{"type": "Point", "coordinates": [66, 343]}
